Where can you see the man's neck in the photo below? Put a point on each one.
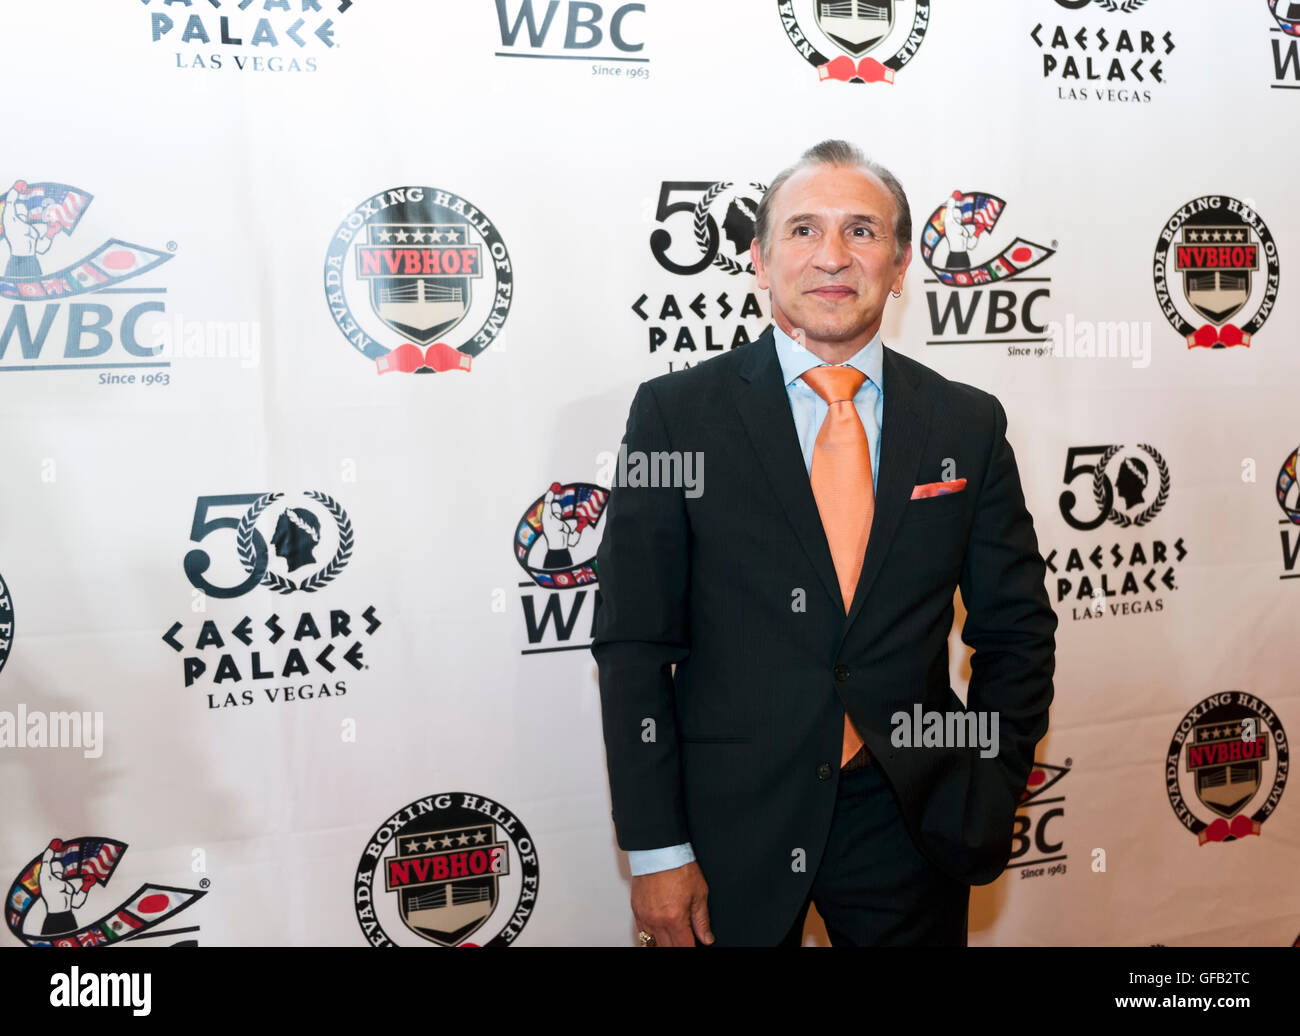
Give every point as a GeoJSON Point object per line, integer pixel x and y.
{"type": "Point", "coordinates": [828, 352]}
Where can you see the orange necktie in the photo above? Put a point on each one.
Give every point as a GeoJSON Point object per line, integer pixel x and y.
{"type": "Point", "coordinates": [843, 488]}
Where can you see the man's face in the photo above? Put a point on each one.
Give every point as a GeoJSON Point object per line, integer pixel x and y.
{"type": "Point", "coordinates": [830, 264]}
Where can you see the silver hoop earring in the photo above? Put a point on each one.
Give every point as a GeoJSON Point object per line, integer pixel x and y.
{"type": "Point", "coordinates": [897, 294]}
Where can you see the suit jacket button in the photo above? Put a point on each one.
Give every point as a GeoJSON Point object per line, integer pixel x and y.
{"type": "Point", "coordinates": [824, 771]}
{"type": "Point", "coordinates": [842, 673]}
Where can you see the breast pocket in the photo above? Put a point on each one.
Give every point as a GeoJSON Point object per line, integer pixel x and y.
{"type": "Point", "coordinates": [929, 510]}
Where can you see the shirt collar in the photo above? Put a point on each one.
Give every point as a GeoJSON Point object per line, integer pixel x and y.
{"type": "Point", "coordinates": [795, 359]}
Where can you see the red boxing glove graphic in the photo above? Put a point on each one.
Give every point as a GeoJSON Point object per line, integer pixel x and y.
{"type": "Point", "coordinates": [872, 71]}
{"type": "Point", "coordinates": [407, 358]}
{"type": "Point", "coordinates": [1241, 826]}
{"type": "Point", "coordinates": [840, 68]}
{"type": "Point", "coordinates": [1207, 336]}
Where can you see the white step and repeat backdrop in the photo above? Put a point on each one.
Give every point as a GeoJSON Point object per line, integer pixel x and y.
{"type": "Point", "coordinates": [320, 321]}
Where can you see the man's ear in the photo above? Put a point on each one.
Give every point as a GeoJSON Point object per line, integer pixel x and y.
{"type": "Point", "coordinates": [902, 268]}
{"type": "Point", "coordinates": [760, 271]}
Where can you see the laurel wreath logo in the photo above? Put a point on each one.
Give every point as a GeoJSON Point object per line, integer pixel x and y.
{"type": "Point", "coordinates": [280, 584]}
{"type": "Point", "coordinates": [1117, 516]}
{"type": "Point", "coordinates": [1124, 6]}
{"type": "Point", "coordinates": [702, 227]}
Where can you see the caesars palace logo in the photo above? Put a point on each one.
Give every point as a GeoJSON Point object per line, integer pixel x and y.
{"type": "Point", "coordinates": [437, 871]}
{"type": "Point", "coordinates": [1126, 487]}
{"type": "Point", "coordinates": [856, 41]}
{"type": "Point", "coordinates": [418, 281]}
{"type": "Point", "coordinates": [704, 230]}
{"type": "Point", "coordinates": [1108, 61]}
{"type": "Point", "coordinates": [1229, 756]}
{"type": "Point", "coordinates": [246, 35]}
{"type": "Point", "coordinates": [287, 544]}
{"type": "Point", "coordinates": [45, 898]}
{"type": "Point", "coordinates": [1216, 272]}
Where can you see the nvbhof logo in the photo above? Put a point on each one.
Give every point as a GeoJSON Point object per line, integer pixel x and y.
{"type": "Point", "coordinates": [1216, 272]}
{"type": "Point", "coordinates": [418, 280]}
{"type": "Point", "coordinates": [6, 622]}
{"type": "Point", "coordinates": [438, 870]}
{"type": "Point", "coordinates": [1228, 755]}
{"type": "Point", "coordinates": [870, 40]}
{"type": "Point", "coordinates": [44, 899]}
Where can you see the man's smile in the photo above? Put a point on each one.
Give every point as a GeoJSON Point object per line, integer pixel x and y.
{"type": "Point", "coordinates": [832, 291]}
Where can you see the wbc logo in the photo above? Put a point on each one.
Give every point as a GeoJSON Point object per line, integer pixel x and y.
{"type": "Point", "coordinates": [965, 247]}
{"type": "Point", "coordinates": [44, 899]}
{"type": "Point", "coordinates": [952, 234]}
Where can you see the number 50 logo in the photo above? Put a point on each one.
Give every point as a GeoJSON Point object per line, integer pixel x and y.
{"type": "Point", "coordinates": [299, 541]}
{"type": "Point", "coordinates": [1128, 486]}
{"type": "Point", "coordinates": [721, 228]}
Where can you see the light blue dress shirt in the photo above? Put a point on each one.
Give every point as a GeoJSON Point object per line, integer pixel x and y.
{"type": "Point", "coordinates": [809, 410]}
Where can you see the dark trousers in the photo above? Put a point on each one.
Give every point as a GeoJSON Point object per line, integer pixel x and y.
{"type": "Point", "coordinates": [873, 887]}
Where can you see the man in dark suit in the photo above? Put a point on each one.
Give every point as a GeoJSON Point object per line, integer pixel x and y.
{"type": "Point", "coordinates": [803, 591]}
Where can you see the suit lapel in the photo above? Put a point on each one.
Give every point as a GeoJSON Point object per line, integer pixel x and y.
{"type": "Point", "coordinates": [903, 432]}
{"type": "Point", "coordinates": [764, 408]}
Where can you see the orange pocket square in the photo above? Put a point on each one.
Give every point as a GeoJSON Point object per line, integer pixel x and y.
{"type": "Point", "coordinates": [938, 489]}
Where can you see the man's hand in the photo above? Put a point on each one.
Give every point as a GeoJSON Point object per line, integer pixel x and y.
{"type": "Point", "coordinates": [673, 905]}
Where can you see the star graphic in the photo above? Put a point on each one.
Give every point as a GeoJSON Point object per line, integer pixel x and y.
{"type": "Point", "coordinates": [430, 844]}
{"type": "Point", "coordinates": [400, 235]}
{"type": "Point", "coordinates": [446, 841]}
{"type": "Point", "coordinates": [463, 839]}
{"type": "Point", "coordinates": [413, 847]}
{"type": "Point", "coordinates": [417, 235]}
{"type": "Point", "coordinates": [452, 236]}
{"type": "Point", "coordinates": [384, 235]}
{"type": "Point", "coordinates": [480, 836]}
{"type": "Point", "coordinates": [435, 235]}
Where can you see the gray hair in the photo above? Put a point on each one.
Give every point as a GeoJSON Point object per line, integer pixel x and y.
{"type": "Point", "coordinates": [839, 152]}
